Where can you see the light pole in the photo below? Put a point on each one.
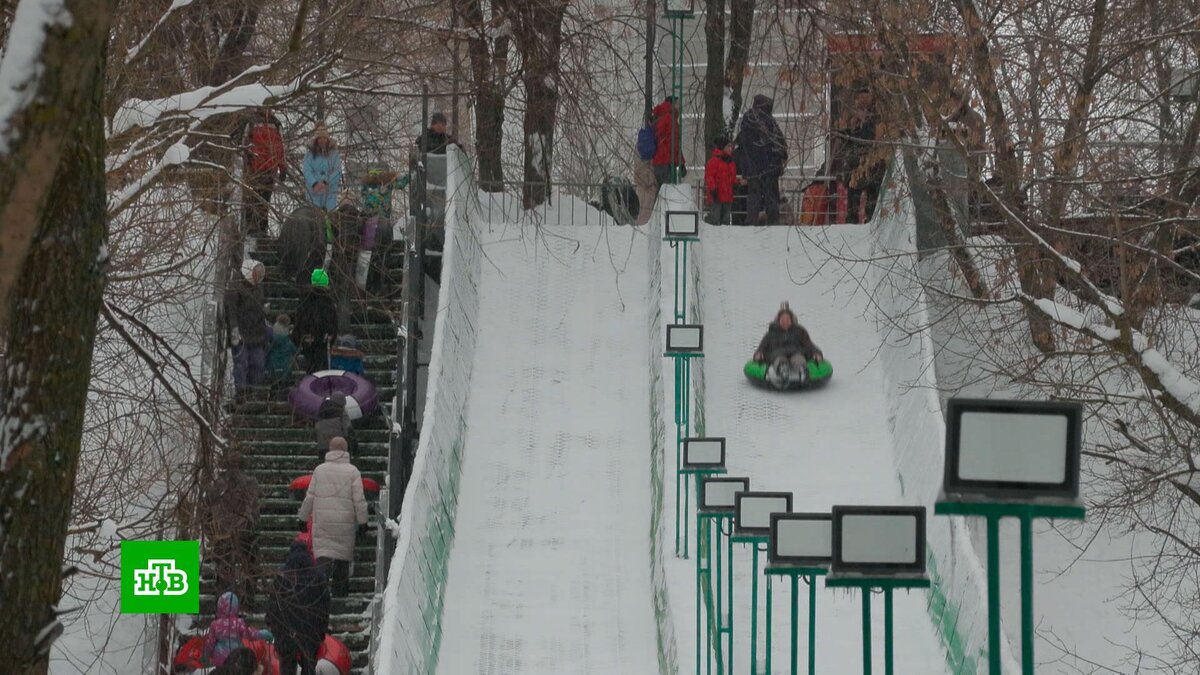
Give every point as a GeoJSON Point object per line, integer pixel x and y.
{"type": "Point", "coordinates": [677, 11]}
{"type": "Point", "coordinates": [878, 547]}
{"type": "Point", "coordinates": [717, 501]}
{"type": "Point", "coordinates": [1012, 459]}
{"type": "Point", "coordinates": [752, 525]}
{"type": "Point", "coordinates": [684, 343]}
{"type": "Point", "coordinates": [702, 457]}
{"type": "Point", "coordinates": [800, 545]}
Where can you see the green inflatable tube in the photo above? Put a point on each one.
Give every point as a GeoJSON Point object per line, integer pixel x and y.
{"type": "Point", "coordinates": [819, 372]}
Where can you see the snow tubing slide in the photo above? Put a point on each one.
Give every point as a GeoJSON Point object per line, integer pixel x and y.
{"type": "Point", "coordinates": [361, 397]}
{"type": "Point", "coordinates": [819, 373]}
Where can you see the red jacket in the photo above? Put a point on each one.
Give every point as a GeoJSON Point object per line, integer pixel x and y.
{"type": "Point", "coordinates": [265, 151]}
{"type": "Point", "coordinates": [719, 176]}
{"type": "Point", "coordinates": [665, 129]}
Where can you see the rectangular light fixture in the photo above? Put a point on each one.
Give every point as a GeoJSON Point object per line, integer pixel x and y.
{"type": "Point", "coordinates": [685, 338]}
{"type": "Point", "coordinates": [682, 225]}
{"type": "Point", "coordinates": [879, 540]}
{"type": "Point", "coordinates": [800, 540]}
{"type": "Point", "coordinates": [680, 8]}
{"type": "Point", "coordinates": [703, 453]}
{"type": "Point", "coordinates": [1012, 450]}
{"type": "Point", "coordinates": [752, 511]}
{"type": "Point", "coordinates": [717, 493]}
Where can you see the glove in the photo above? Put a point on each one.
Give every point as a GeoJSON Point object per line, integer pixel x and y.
{"type": "Point", "coordinates": [303, 526]}
{"type": "Point", "coordinates": [362, 530]}
{"type": "Point", "coordinates": [235, 338]}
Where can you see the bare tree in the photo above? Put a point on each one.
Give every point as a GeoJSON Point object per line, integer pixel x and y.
{"type": "Point", "coordinates": [56, 147]}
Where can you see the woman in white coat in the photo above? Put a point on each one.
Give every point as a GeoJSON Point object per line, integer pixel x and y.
{"type": "Point", "coordinates": [338, 508]}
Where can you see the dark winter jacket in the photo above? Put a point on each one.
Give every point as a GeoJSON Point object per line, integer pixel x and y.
{"type": "Point", "coordinates": [666, 128]}
{"type": "Point", "coordinates": [233, 501]}
{"type": "Point", "coordinates": [433, 143]}
{"type": "Point", "coordinates": [244, 309]}
{"type": "Point", "coordinates": [332, 421]}
{"type": "Point", "coordinates": [298, 611]}
{"type": "Point", "coordinates": [719, 176]}
{"type": "Point", "coordinates": [316, 317]}
{"type": "Point", "coordinates": [761, 147]}
{"type": "Point", "coordinates": [784, 343]}
{"type": "Point", "coordinates": [302, 243]}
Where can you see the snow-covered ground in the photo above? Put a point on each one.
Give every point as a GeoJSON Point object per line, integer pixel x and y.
{"type": "Point", "coordinates": [550, 569]}
{"type": "Point", "coordinates": [827, 447]}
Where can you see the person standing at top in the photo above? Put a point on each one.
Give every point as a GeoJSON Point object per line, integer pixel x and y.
{"type": "Point", "coordinates": [322, 170]}
{"type": "Point", "coordinates": [435, 139]}
{"type": "Point", "coordinates": [669, 149]}
{"type": "Point", "coordinates": [338, 508]}
{"type": "Point", "coordinates": [316, 322]}
{"type": "Point", "coordinates": [859, 160]}
{"type": "Point", "coordinates": [262, 142]}
{"type": "Point", "coordinates": [761, 157]}
{"type": "Point", "coordinates": [720, 175]}
{"type": "Point", "coordinates": [246, 320]}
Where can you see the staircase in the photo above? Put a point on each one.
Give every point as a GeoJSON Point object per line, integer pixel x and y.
{"type": "Point", "coordinates": [279, 448]}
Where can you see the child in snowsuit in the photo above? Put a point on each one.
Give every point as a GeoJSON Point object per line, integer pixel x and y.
{"type": "Point", "coordinates": [228, 630]}
{"type": "Point", "coordinates": [787, 343]}
{"type": "Point", "coordinates": [720, 174]}
{"type": "Point", "coordinates": [346, 355]}
{"type": "Point", "coordinates": [282, 354]}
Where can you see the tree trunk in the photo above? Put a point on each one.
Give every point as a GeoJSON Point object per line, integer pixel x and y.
{"type": "Point", "coordinates": [714, 72]}
{"type": "Point", "coordinates": [538, 30]}
{"type": "Point", "coordinates": [741, 32]}
{"type": "Point", "coordinates": [489, 69]}
{"type": "Point", "coordinates": [53, 312]}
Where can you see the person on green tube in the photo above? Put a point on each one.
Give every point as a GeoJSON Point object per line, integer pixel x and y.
{"type": "Point", "coordinates": [787, 347]}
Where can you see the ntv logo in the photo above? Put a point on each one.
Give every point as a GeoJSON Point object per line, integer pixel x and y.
{"type": "Point", "coordinates": [160, 577]}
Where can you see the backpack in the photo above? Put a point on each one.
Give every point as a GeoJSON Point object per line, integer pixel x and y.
{"type": "Point", "coordinates": [266, 147]}
{"type": "Point", "coordinates": [647, 143]}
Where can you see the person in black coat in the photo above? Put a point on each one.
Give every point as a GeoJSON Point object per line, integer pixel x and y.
{"type": "Point", "coordinates": [316, 322]}
{"type": "Point", "coordinates": [787, 339]}
{"type": "Point", "coordinates": [246, 321]}
{"type": "Point", "coordinates": [298, 614]}
{"type": "Point", "coordinates": [436, 138]}
{"type": "Point", "coordinates": [761, 156]}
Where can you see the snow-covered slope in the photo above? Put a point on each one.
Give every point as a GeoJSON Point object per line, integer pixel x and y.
{"type": "Point", "coordinates": [550, 570]}
{"type": "Point", "coordinates": [830, 446]}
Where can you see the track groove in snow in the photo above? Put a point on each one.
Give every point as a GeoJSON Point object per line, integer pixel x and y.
{"type": "Point", "coordinates": [550, 571]}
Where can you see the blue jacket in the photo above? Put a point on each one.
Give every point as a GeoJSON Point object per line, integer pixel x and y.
{"type": "Point", "coordinates": [326, 168]}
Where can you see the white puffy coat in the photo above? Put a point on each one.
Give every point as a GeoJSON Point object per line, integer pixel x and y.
{"type": "Point", "coordinates": [336, 503]}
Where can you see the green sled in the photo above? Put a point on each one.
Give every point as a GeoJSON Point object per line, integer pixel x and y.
{"type": "Point", "coordinates": [818, 374]}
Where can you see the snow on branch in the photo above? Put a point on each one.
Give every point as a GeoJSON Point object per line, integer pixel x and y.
{"type": "Point", "coordinates": [137, 49]}
{"type": "Point", "coordinates": [177, 154]}
{"type": "Point", "coordinates": [21, 67]}
{"type": "Point", "coordinates": [1174, 383]}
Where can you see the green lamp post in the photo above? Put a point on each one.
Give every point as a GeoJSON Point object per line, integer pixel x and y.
{"type": "Point", "coordinates": [752, 526]}
{"type": "Point", "coordinates": [799, 547]}
{"type": "Point", "coordinates": [716, 500]}
{"type": "Point", "coordinates": [684, 343]}
{"type": "Point", "coordinates": [677, 11]}
{"type": "Point", "coordinates": [1012, 459]}
{"type": "Point", "coordinates": [878, 548]}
